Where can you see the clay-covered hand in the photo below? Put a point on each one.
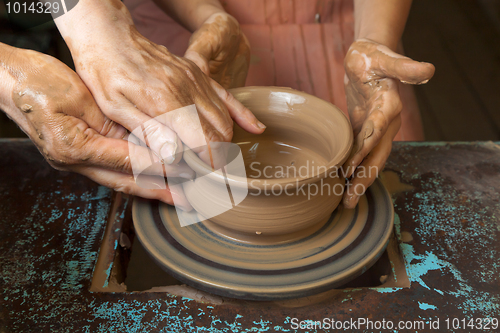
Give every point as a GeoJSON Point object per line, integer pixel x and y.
{"type": "Point", "coordinates": [221, 50]}
{"type": "Point", "coordinates": [371, 84]}
{"type": "Point", "coordinates": [134, 81]}
{"type": "Point", "coordinates": [371, 166]}
{"type": "Point", "coordinates": [55, 109]}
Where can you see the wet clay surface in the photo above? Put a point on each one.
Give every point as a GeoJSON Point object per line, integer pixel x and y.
{"type": "Point", "coordinates": [53, 224]}
{"type": "Point", "coordinates": [291, 168]}
{"type": "Point", "coordinates": [267, 158]}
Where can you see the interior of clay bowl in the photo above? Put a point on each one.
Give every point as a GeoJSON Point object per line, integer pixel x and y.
{"type": "Point", "coordinates": [305, 139]}
{"type": "Point", "coordinates": [305, 142]}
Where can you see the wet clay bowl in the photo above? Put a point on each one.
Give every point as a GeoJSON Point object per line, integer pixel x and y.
{"type": "Point", "coordinates": [292, 169]}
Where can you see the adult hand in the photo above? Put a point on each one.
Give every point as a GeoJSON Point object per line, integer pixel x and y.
{"type": "Point", "coordinates": [221, 50]}
{"type": "Point", "coordinates": [134, 81]}
{"type": "Point", "coordinates": [371, 84]}
{"type": "Point", "coordinates": [55, 109]}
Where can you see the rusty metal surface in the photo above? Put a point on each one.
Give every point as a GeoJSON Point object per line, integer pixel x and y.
{"type": "Point", "coordinates": [52, 223]}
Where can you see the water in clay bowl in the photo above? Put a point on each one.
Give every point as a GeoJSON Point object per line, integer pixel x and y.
{"type": "Point", "coordinates": [292, 169]}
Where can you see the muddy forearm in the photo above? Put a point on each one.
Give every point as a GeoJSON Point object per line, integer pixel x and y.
{"type": "Point", "coordinates": [382, 21]}
{"type": "Point", "coordinates": [190, 13]}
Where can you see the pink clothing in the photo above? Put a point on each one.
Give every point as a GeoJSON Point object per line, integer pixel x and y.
{"type": "Point", "coordinates": [294, 43]}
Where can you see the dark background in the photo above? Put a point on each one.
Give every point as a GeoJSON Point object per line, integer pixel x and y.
{"type": "Point", "coordinates": [460, 37]}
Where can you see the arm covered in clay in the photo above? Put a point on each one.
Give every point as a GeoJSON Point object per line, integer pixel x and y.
{"type": "Point", "coordinates": [217, 46]}
{"type": "Point", "coordinates": [55, 109]}
{"type": "Point", "coordinates": [373, 70]}
{"type": "Point", "coordinates": [134, 81]}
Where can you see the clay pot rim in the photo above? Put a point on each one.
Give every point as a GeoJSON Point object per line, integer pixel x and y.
{"type": "Point", "coordinates": [202, 168]}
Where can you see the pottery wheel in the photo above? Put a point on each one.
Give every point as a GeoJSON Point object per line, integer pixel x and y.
{"type": "Point", "coordinates": [345, 247]}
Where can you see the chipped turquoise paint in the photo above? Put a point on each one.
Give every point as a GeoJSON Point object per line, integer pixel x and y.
{"type": "Point", "coordinates": [429, 212]}
{"type": "Point", "coordinates": [262, 325]}
{"type": "Point", "coordinates": [469, 300]}
{"type": "Point", "coordinates": [69, 275]}
{"type": "Point", "coordinates": [108, 274]}
{"type": "Point", "coordinates": [56, 214]}
{"type": "Point", "coordinates": [128, 317]}
{"type": "Point", "coordinates": [386, 290]}
{"type": "Point", "coordinates": [425, 306]}
{"type": "Point", "coordinates": [73, 274]}
{"type": "Point", "coordinates": [76, 223]}
{"type": "Point", "coordinates": [117, 231]}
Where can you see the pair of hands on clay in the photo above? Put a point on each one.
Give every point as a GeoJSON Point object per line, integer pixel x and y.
{"type": "Point", "coordinates": [134, 81]}
{"type": "Point", "coordinates": [373, 72]}
{"type": "Point", "coordinates": [56, 110]}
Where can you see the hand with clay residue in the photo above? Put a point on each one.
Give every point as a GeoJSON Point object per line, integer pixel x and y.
{"type": "Point", "coordinates": [134, 81]}
{"type": "Point", "coordinates": [55, 109]}
{"type": "Point", "coordinates": [371, 84]}
{"type": "Point", "coordinates": [221, 50]}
